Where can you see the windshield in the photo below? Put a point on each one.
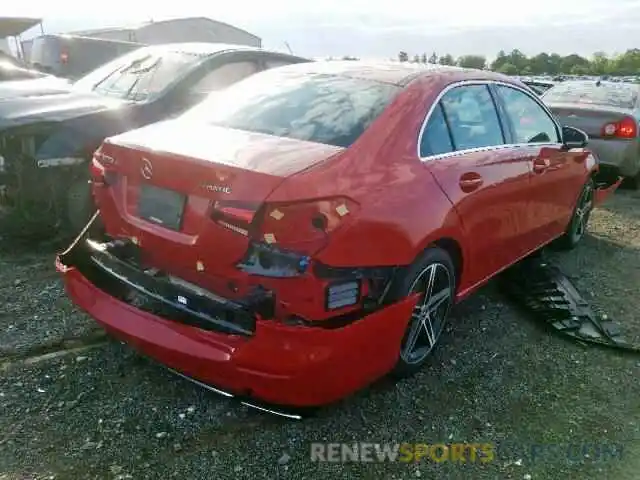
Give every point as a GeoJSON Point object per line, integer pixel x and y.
{"type": "Point", "coordinates": [319, 108]}
{"type": "Point", "coordinates": [139, 75]}
{"type": "Point", "coordinates": [619, 95]}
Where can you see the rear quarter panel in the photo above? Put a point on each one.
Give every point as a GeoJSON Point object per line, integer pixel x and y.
{"type": "Point", "coordinates": [401, 207]}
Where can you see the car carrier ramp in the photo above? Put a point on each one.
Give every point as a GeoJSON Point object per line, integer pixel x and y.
{"type": "Point", "coordinates": [548, 294]}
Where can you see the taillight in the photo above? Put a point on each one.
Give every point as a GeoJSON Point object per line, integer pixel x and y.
{"type": "Point", "coordinates": [99, 169]}
{"type": "Point", "coordinates": [625, 128]}
{"type": "Point", "coordinates": [302, 227]}
{"type": "Point", "coordinates": [96, 171]}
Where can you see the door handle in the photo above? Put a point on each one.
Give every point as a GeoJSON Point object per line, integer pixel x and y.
{"type": "Point", "coordinates": [470, 182]}
{"type": "Point", "coordinates": [541, 164]}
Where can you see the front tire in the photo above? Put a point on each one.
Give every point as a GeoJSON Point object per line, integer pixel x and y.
{"type": "Point", "coordinates": [577, 227]}
{"type": "Point", "coordinates": [433, 276]}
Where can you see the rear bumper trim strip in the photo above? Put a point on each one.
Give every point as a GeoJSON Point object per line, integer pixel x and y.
{"type": "Point", "coordinates": [247, 403]}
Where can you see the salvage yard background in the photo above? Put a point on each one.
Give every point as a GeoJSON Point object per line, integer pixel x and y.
{"type": "Point", "coordinates": [75, 405]}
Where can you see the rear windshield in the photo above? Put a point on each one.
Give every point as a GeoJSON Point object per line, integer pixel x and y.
{"type": "Point", "coordinates": [140, 75]}
{"type": "Point", "coordinates": [319, 108]}
{"type": "Point", "coordinates": [618, 95]}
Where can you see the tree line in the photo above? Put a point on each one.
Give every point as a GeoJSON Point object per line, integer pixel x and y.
{"type": "Point", "coordinates": [517, 63]}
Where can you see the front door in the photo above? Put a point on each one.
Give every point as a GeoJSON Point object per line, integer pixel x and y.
{"type": "Point", "coordinates": [557, 175]}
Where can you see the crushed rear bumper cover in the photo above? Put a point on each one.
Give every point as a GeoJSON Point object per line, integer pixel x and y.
{"type": "Point", "coordinates": [606, 184]}
{"type": "Point", "coordinates": [272, 364]}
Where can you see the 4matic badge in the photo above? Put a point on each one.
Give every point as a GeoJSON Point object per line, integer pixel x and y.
{"type": "Point", "coordinates": [216, 188]}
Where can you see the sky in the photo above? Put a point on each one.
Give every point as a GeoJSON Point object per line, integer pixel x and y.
{"type": "Point", "coordinates": [379, 28]}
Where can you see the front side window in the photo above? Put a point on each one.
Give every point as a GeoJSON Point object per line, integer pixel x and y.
{"type": "Point", "coordinates": [472, 116]}
{"type": "Point", "coordinates": [435, 138]}
{"type": "Point", "coordinates": [530, 122]}
{"type": "Point", "coordinates": [314, 107]}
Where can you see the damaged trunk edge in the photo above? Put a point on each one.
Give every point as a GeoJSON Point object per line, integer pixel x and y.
{"type": "Point", "coordinates": [113, 266]}
{"type": "Point", "coordinates": [35, 192]}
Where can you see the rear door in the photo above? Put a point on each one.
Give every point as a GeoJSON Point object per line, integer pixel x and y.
{"type": "Point", "coordinates": [557, 175]}
{"type": "Point", "coordinates": [464, 145]}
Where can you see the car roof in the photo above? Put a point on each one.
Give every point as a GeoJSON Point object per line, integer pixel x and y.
{"type": "Point", "coordinates": [397, 73]}
{"type": "Point", "coordinates": [206, 49]}
{"type": "Point", "coordinates": [598, 83]}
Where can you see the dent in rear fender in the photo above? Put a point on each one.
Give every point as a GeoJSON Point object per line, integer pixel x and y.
{"type": "Point", "coordinates": [393, 226]}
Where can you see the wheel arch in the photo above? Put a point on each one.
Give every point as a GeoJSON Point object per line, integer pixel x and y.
{"type": "Point", "coordinates": [454, 250]}
{"type": "Point", "coordinates": [450, 241]}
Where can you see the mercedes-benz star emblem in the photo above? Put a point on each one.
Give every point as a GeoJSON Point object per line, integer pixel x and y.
{"type": "Point", "coordinates": [147, 169]}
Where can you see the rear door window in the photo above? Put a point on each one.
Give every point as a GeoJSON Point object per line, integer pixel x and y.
{"type": "Point", "coordinates": [472, 117]}
{"type": "Point", "coordinates": [436, 138]}
{"type": "Point", "coordinates": [529, 121]}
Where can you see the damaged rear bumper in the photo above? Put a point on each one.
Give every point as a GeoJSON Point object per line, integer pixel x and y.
{"type": "Point", "coordinates": [264, 362]}
{"type": "Point", "coordinates": [605, 187]}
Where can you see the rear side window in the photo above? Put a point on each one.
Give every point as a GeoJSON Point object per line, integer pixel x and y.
{"type": "Point", "coordinates": [321, 108]}
{"type": "Point", "coordinates": [529, 121]}
{"type": "Point", "coordinates": [472, 116]}
{"type": "Point", "coordinates": [224, 75]}
{"type": "Point", "coordinates": [619, 95]}
{"type": "Point", "coordinates": [276, 62]}
{"type": "Point", "coordinates": [435, 138]}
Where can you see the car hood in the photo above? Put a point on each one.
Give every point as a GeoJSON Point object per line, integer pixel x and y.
{"type": "Point", "coordinates": [34, 87]}
{"type": "Point", "coordinates": [56, 107]}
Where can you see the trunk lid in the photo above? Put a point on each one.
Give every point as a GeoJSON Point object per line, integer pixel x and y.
{"type": "Point", "coordinates": [169, 176]}
{"type": "Point", "coordinates": [588, 118]}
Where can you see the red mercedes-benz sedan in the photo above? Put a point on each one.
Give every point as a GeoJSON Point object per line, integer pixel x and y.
{"type": "Point", "coordinates": [307, 231]}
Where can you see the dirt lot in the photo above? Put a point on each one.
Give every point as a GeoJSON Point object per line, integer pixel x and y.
{"type": "Point", "coordinates": [100, 411]}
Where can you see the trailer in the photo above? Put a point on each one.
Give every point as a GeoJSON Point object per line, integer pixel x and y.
{"type": "Point", "coordinates": [10, 30]}
{"type": "Point", "coordinates": [73, 56]}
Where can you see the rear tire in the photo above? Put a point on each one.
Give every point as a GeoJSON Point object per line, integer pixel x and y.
{"type": "Point", "coordinates": [577, 227]}
{"type": "Point", "coordinates": [433, 275]}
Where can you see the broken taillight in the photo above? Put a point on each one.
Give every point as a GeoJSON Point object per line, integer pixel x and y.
{"type": "Point", "coordinates": [303, 226]}
{"type": "Point", "coordinates": [99, 171]}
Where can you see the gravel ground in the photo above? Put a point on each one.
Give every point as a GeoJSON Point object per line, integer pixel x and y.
{"type": "Point", "coordinates": [104, 412]}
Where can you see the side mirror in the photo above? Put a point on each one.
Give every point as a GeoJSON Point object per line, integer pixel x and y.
{"type": "Point", "coordinates": [574, 138]}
